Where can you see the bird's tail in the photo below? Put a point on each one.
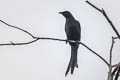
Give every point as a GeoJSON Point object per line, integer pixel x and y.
{"type": "Point", "coordinates": [73, 59]}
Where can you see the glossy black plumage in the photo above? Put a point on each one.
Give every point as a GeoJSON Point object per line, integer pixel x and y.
{"type": "Point", "coordinates": [73, 32]}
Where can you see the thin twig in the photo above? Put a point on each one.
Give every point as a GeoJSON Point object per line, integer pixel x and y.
{"type": "Point", "coordinates": [110, 75]}
{"type": "Point", "coordinates": [17, 28]}
{"type": "Point", "coordinates": [110, 61]}
{"type": "Point", "coordinates": [114, 65]}
{"type": "Point", "coordinates": [93, 6]}
{"type": "Point", "coordinates": [21, 43]}
{"type": "Point", "coordinates": [117, 74]}
{"type": "Point", "coordinates": [38, 38]}
{"type": "Point", "coordinates": [83, 45]}
{"type": "Point", "coordinates": [114, 71]}
{"type": "Point", "coordinates": [95, 53]}
{"type": "Point", "coordinates": [110, 22]}
{"type": "Point", "coordinates": [115, 37]}
{"type": "Point", "coordinates": [106, 16]}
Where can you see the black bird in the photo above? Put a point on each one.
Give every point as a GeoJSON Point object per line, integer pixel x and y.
{"type": "Point", "coordinates": [73, 32]}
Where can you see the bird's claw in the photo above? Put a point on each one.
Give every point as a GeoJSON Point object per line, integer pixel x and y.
{"type": "Point", "coordinates": [66, 41]}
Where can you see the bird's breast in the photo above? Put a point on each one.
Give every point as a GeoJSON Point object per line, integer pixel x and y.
{"type": "Point", "coordinates": [72, 30]}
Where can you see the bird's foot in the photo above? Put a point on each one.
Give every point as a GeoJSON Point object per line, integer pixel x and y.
{"type": "Point", "coordinates": [66, 41]}
{"type": "Point", "coordinates": [77, 41]}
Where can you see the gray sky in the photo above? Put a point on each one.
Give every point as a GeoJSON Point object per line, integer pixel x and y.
{"type": "Point", "coordinates": [48, 60]}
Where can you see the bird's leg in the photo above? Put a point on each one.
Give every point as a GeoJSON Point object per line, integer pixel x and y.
{"type": "Point", "coordinates": [67, 41]}
{"type": "Point", "coordinates": [77, 41]}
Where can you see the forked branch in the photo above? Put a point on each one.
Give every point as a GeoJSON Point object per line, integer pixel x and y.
{"type": "Point", "coordinates": [43, 38]}
{"type": "Point", "coordinates": [106, 16]}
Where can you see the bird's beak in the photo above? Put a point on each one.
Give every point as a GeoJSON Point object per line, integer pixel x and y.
{"type": "Point", "coordinates": [60, 12]}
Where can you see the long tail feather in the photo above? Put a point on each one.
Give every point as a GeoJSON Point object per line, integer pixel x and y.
{"type": "Point", "coordinates": [68, 68]}
{"type": "Point", "coordinates": [73, 59]}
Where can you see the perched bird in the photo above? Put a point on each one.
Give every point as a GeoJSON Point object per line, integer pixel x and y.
{"type": "Point", "coordinates": [73, 32]}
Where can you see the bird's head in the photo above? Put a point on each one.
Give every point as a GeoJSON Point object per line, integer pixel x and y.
{"type": "Point", "coordinates": [66, 14]}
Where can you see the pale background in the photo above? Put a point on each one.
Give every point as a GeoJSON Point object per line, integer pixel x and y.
{"type": "Point", "coordinates": [48, 60]}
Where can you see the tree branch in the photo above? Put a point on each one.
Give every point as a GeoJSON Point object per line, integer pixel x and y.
{"type": "Point", "coordinates": [12, 43]}
{"type": "Point", "coordinates": [95, 53]}
{"type": "Point", "coordinates": [17, 28]}
{"type": "Point", "coordinates": [106, 16]}
{"type": "Point", "coordinates": [21, 43]}
{"type": "Point", "coordinates": [117, 74]}
{"type": "Point", "coordinates": [94, 6]}
{"type": "Point", "coordinates": [39, 38]}
{"type": "Point", "coordinates": [110, 73]}
{"type": "Point", "coordinates": [110, 61]}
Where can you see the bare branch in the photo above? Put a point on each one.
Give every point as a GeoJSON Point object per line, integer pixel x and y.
{"type": "Point", "coordinates": [113, 73]}
{"type": "Point", "coordinates": [17, 28]}
{"type": "Point", "coordinates": [115, 37]}
{"type": "Point", "coordinates": [110, 73]}
{"type": "Point", "coordinates": [117, 74]}
{"type": "Point", "coordinates": [106, 16]}
{"type": "Point", "coordinates": [38, 38]}
{"type": "Point", "coordinates": [81, 44]}
{"type": "Point", "coordinates": [110, 22]}
{"type": "Point", "coordinates": [24, 43]}
{"type": "Point", "coordinates": [93, 6]}
{"type": "Point", "coordinates": [114, 65]}
{"type": "Point", "coordinates": [110, 61]}
{"type": "Point", "coordinates": [95, 53]}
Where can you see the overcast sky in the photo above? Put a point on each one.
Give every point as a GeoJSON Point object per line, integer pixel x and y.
{"type": "Point", "coordinates": [48, 60]}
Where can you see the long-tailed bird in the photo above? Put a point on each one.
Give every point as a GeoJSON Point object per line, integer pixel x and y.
{"type": "Point", "coordinates": [73, 32]}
